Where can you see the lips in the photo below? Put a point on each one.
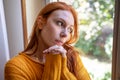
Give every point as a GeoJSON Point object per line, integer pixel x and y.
{"type": "Point", "coordinates": [59, 42]}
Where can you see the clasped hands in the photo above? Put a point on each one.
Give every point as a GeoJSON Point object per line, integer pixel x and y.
{"type": "Point", "coordinates": [56, 50]}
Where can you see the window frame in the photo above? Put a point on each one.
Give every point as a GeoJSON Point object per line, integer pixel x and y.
{"type": "Point", "coordinates": [116, 43]}
{"type": "Point", "coordinates": [24, 21]}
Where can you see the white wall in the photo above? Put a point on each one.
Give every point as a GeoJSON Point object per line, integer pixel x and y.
{"type": "Point", "coordinates": [3, 58]}
{"type": "Point", "coordinates": [13, 17]}
{"type": "Point", "coordinates": [11, 32]}
{"type": "Point", "coordinates": [32, 9]}
{"type": "Point", "coordinates": [4, 51]}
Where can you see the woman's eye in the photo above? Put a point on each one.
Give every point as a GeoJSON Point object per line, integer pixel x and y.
{"type": "Point", "coordinates": [59, 23]}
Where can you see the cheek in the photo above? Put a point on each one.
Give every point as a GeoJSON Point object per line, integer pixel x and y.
{"type": "Point", "coordinates": [51, 31]}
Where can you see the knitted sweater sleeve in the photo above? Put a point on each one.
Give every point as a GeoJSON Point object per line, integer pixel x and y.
{"type": "Point", "coordinates": [52, 67]}
{"type": "Point", "coordinates": [65, 73]}
{"type": "Point", "coordinates": [81, 72]}
{"type": "Point", "coordinates": [56, 69]}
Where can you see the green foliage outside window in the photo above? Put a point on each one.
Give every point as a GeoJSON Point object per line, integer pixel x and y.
{"type": "Point", "coordinates": [96, 27]}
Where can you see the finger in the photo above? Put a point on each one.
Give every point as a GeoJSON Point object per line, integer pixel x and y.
{"type": "Point", "coordinates": [56, 50]}
{"type": "Point", "coordinates": [51, 48]}
{"type": "Point", "coordinates": [60, 51]}
{"type": "Point", "coordinates": [45, 51]}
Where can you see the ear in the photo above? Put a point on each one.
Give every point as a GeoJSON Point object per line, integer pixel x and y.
{"type": "Point", "coordinates": [40, 22]}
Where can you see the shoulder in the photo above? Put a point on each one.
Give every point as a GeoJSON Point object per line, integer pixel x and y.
{"type": "Point", "coordinates": [14, 66]}
{"type": "Point", "coordinates": [16, 60]}
{"type": "Point", "coordinates": [17, 68]}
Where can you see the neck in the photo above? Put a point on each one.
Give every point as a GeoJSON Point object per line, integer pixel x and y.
{"type": "Point", "coordinates": [41, 47]}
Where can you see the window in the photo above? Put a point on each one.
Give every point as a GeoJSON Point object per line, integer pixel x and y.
{"type": "Point", "coordinates": [116, 37]}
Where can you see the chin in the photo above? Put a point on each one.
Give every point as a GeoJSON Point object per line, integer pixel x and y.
{"type": "Point", "coordinates": [49, 45]}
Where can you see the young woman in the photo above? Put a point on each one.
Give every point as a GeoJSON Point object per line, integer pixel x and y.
{"type": "Point", "coordinates": [49, 55]}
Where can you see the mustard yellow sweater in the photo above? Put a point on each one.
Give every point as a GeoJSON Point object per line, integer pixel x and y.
{"type": "Point", "coordinates": [22, 67]}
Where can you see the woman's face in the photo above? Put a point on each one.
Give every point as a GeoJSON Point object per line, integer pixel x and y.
{"type": "Point", "coordinates": [58, 28]}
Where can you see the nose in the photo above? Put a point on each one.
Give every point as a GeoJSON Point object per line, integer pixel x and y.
{"type": "Point", "coordinates": [64, 33]}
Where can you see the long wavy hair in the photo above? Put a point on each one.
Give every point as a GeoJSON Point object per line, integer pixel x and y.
{"type": "Point", "coordinates": [44, 14]}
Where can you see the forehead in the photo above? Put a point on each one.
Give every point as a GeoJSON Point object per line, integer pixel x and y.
{"type": "Point", "coordinates": [63, 14]}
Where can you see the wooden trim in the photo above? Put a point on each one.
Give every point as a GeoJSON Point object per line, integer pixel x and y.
{"type": "Point", "coordinates": [116, 43]}
{"type": "Point", "coordinates": [118, 39]}
{"type": "Point", "coordinates": [24, 20]}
